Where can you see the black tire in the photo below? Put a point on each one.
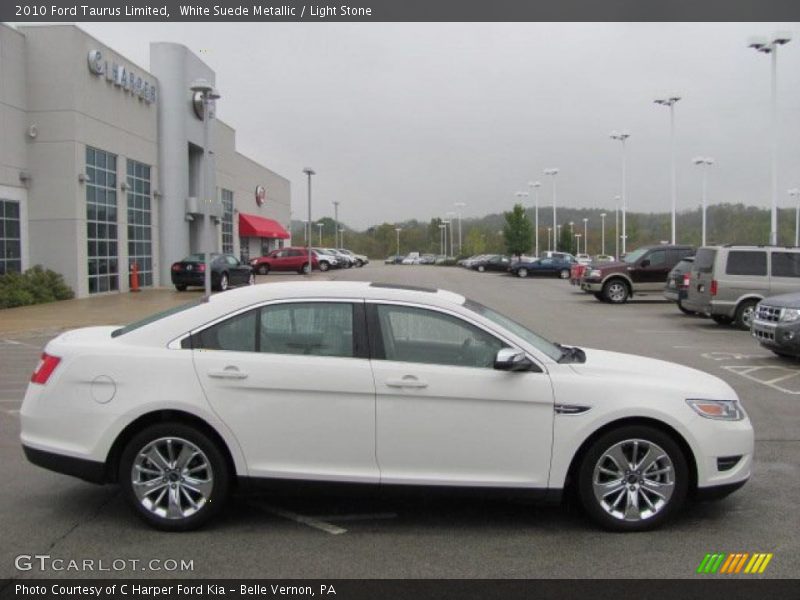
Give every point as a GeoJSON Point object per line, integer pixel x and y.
{"type": "Point", "coordinates": [721, 319]}
{"type": "Point", "coordinates": [564, 274]}
{"type": "Point", "coordinates": [324, 266]}
{"type": "Point", "coordinates": [359, 263]}
{"type": "Point", "coordinates": [643, 436]}
{"type": "Point", "coordinates": [223, 282]}
{"type": "Point", "coordinates": [481, 268]}
{"type": "Point", "coordinates": [745, 313]}
{"type": "Point", "coordinates": [263, 269]}
{"type": "Point", "coordinates": [181, 287]}
{"type": "Point", "coordinates": [218, 469]}
{"type": "Point", "coordinates": [616, 291]}
{"type": "Point", "coordinates": [305, 269]}
{"type": "Point", "coordinates": [685, 310]}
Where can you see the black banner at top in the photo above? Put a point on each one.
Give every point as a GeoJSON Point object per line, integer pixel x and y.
{"type": "Point", "coordinates": [399, 10]}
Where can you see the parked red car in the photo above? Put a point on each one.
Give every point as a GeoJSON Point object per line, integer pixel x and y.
{"type": "Point", "coordinates": [285, 259]}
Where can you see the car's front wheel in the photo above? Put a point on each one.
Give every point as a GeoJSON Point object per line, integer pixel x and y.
{"type": "Point", "coordinates": [324, 266]}
{"type": "Point", "coordinates": [522, 272]}
{"type": "Point", "coordinates": [633, 479]}
{"type": "Point", "coordinates": [481, 268]}
{"type": "Point", "coordinates": [564, 274]}
{"type": "Point", "coordinates": [616, 291]}
{"type": "Point", "coordinates": [174, 476]}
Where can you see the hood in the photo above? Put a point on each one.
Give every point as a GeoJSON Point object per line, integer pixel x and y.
{"type": "Point", "coordinates": [611, 266]}
{"type": "Point", "coordinates": [783, 300]}
{"type": "Point", "coordinates": [658, 373]}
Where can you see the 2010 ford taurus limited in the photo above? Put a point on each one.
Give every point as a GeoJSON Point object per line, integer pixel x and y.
{"type": "Point", "coordinates": [373, 383]}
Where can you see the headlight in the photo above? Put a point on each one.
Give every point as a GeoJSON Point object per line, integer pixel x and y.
{"type": "Point", "coordinates": [724, 410]}
{"type": "Point", "coordinates": [790, 314]}
{"type": "Point", "coordinates": [595, 273]}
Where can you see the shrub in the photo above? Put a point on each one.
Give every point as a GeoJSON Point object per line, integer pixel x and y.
{"type": "Point", "coordinates": [34, 286]}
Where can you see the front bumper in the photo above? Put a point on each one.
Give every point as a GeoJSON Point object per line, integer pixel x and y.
{"type": "Point", "coordinates": [784, 337]}
{"type": "Point", "coordinates": [592, 285]}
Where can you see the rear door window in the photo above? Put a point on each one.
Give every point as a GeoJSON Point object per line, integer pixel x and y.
{"type": "Point", "coordinates": [746, 263]}
{"type": "Point", "coordinates": [786, 264]}
{"type": "Point", "coordinates": [704, 260]}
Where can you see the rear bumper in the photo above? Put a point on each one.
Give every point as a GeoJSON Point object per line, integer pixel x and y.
{"type": "Point", "coordinates": [88, 470]}
{"type": "Point", "coordinates": [193, 278]}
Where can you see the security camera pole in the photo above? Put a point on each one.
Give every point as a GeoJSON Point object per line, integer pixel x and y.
{"type": "Point", "coordinates": [309, 172]}
{"type": "Point", "coordinates": [208, 95]}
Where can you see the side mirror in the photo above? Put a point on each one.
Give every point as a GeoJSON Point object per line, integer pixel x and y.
{"type": "Point", "coordinates": [645, 263]}
{"type": "Point", "coordinates": [510, 359]}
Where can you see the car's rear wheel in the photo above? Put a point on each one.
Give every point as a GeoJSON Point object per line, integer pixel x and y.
{"type": "Point", "coordinates": [174, 476]}
{"type": "Point", "coordinates": [616, 291]}
{"type": "Point", "coordinates": [263, 269]}
{"type": "Point", "coordinates": [564, 274]}
{"type": "Point", "coordinates": [305, 269]}
{"type": "Point", "coordinates": [745, 313]}
{"type": "Point", "coordinates": [523, 272]}
{"type": "Point", "coordinates": [181, 287]}
{"type": "Point", "coordinates": [324, 266]}
{"type": "Point", "coordinates": [481, 268]}
{"type": "Point", "coordinates": [223, 282]}
{"type": "Point", "coordinates": [633, 479]}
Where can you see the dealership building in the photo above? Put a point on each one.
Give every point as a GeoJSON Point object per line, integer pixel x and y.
{"type": "Point", "coordinates": [102, 164]}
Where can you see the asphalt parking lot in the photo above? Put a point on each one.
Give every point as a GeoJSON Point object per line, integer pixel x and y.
{"type": "Point", "coordinates": [327, 534]}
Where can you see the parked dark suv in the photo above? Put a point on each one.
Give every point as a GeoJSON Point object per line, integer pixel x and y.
{"type": "Point", "coordinates": [642, 271]}
{"type": "Point", "coordinates": [776, 324]}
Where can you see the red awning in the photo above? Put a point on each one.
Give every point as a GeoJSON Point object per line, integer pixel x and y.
{"type": "Point", "coordinates": [255, 226]}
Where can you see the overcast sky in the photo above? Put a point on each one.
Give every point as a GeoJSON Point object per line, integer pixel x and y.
{"type": "Point", "coordinates": [402, 120]}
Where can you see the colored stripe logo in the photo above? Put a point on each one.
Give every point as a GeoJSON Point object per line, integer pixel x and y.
{"type": "Point", "coordinates": [735, 563]}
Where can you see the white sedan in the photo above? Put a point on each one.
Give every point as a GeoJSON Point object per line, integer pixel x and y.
{"type": "Point", "coordinates": [380, 384]}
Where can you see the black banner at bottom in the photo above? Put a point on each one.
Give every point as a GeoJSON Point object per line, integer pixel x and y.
{"type": "Point", "coordinates": [390, 589]}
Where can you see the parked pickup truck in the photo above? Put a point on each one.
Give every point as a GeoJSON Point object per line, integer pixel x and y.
{"type": "Point", "coordinates": [642, 271]}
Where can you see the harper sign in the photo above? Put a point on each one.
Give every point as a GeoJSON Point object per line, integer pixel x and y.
{"type": "Point", "coordinates": [121, 77]}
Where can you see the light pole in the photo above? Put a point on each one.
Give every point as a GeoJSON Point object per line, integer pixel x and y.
{"type": "Point", "coordinates": [553, 172]}
{"type": "Point", "coordinates": [320, 226]}
{"type": "Point", "coordinates": [451, 214]}
{"type": "Point", "coordinates": [795, 193]}
{"type": "Point", "coordinates": [616, 227]}
{"type": "Point", "coordinates": [622, 137]}
{"type": "Point", "coordinates": [341, 237]}
{"type": "Point", "coordinates": [397, 231]}
{"type": "Point", "coordinates": [535, 185]}
{"type": "Point", "coordinates": [558, 235]}
{"type": "Point", "coordinates": [442, 235]}
{"type": "Point", "coordinates": [549, 231]}
{"type": "Point", "coordinates": [577, 243]}
{"type": "Point", "coordinates": [459, 206]}
{"type": "Point", "coordinates": [336, 228]}
{"type": "Point", "coordinates": [670, 101]}
{"type": "Point", "coordinates": [585, 235]}
{"type": "Point", "coordinates": [521, 195]}
{"type": "Point", "coordinates": [704, 162]}
{"type": "Point", "coordinates": [770, 46]}
{"type": "Point", "coordinates": [208, 95]}
{"type": "Point", "coordinates": [308, 171]}
{"type": "Point", "coordinates": [603, 233]}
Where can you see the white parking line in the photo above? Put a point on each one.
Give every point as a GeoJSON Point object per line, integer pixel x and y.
{"type": "Point", "coordinates": [366, 517]}
{"type": "Point", "coordinates": [310, 521]}
{"type": "Point", "coordinates": [13, 411]}
{"type": "Point", "coordinates": [747, 373]}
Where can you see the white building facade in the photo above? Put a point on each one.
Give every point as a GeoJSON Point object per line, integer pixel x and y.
{"type": "Point", "coordinates": [101, 163]}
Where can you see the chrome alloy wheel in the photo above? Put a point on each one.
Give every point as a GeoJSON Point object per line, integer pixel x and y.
{"type": "Point", "coordinates": [617, 292]}
{"type": "Point", "coordinates": [172, 478]}
{"type": "Point", "coordinates": [633, 480]}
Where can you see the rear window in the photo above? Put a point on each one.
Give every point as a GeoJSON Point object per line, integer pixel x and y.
{"type": "Point", "coordinates": [155, 317]}
{"type": "Point", "coordinates": [704, 260]}
{"type": "Point", "coordinates": [786, 264]}
{"type": "Point", "coordinates": [746, 263]}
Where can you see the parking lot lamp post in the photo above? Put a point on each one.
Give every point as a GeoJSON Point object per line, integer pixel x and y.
{"type": "Point", "coordinates": [553, 172]}
{"type": "Point", "coordinates": [549, 231]}
{"type": "Point", "coordinates": [616, 227]}
{"type": "Point", "coordinates": [602, 233]}
{"type": "Point", "coordinates": [208, 96]}
{"type": "Point", "coordinates": [452, 215]}
{"type": "Point", "coordinates": [770, 46]}
{"type": "Point", "coordinates": [341, 237]}
{"type": "Point", "coordinates": [585, 235]}
{"type": "Point", "coordinates": [704, 162]}
{"type": "Point", "coordinates": [795, 193]}
{"type": "Point", "coordinates": [557, 236]}
{"type": "Point", "coordinates": [670, 101]}
{"type": "Point", "coordinates": [622, 137]}
{"type": "Point", "coordinates": [459, 206]}
{"type": "Point", "coordinates": [308, 171]}
{"type": "Point", "coordinates": [336, 227]}
{"type": "Point", "coordinates": [442, 235]}
{"type": "Point", "coordinates": [535, 185]}
{"type": "Point", "coordinates": [320, 226]}
{"type": "Point", "coordinates": [397, 231]}
{"type": "Point", "coordinates": [577, 243]}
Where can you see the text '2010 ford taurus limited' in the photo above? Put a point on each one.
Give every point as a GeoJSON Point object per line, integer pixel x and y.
{"type": "Point", "coordinates": [371, 383]}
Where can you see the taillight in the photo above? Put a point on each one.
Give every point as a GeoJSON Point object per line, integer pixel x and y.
{"type": "Point", "coordinates": [47, 364]}
{"type": "Point", "coordinates": [176, 267]}
{"type": "Point", "coordinates": [686, 280]}
{"type": "Point", "coordinates": [201, 267]}
{"type": "Point", "coordinates": [713, 287]}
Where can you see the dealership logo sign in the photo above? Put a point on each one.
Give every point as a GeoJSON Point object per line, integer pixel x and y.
{"type": "Point", "coordinates": [121, 77]}
{"type": "Point", "coordinates": [734, 563]}
{"type": "Point", "coordinates": [261, 195]}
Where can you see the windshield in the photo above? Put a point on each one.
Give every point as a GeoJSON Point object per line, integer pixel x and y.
{"type": "Point", "coordinates": [153, 318]}
{"type": "Point", "coordinates": [535, 340]}
{"type": "Point", "coordinates": [632, 257]}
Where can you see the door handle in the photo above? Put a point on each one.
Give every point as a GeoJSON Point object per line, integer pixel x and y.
{"type": "Point", "coordinates": [406, 382]}
{"type": "Point", "coordinates": [228, 373]}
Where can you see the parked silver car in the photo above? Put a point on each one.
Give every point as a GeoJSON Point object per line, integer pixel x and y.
{"type": "Point", "coordinates": [727, 282]}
